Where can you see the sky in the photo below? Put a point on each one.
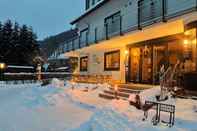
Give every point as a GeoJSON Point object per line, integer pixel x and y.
{"type": "Point", "coordinates": [47, 17]}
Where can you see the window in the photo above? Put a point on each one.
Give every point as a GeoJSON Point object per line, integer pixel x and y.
{"type": "Point", "coordinates": [113, 23]}
{"type": "Point", "coordinates": [150, 10]}
{"type": "Point", "coordinates": [112, 61]}
{"type": "Point", "coordinates": [84, 63]}
{"type": "Point", "coordinates": [70, 45]}
{"type": "Point", "coordinates": [93, 2]}
{"type": "Point", "coordinates": [84, 37]}
{"type": "Point", "coordinates": [87, 4]}
{"type": "Point", "coordinates": [95, 31]}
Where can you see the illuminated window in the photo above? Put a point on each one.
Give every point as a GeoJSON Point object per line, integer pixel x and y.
{"type": "Point", "coordinates": [112, 60]}
{"type": "Point", "coordinates": [84, 63]}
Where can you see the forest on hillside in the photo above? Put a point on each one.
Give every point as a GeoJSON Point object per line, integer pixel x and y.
{"type": "Point", "coordinates": [50, 44]}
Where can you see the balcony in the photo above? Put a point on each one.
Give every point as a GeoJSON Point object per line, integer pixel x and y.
{"type": "Point", "coordinates": [152, 11]}
{"type": "Point", "coordinates": [148, 12]}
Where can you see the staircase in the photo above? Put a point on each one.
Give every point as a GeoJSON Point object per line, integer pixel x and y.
{"type": "Point", "coordinates": [124, 90]}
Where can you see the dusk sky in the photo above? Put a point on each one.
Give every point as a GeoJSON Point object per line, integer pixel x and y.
{"type": "Point", "coordinates": [47, 17]}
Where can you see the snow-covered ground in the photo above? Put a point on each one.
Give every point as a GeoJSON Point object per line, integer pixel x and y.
{"type": "Point", "coordinates": [56, 107]}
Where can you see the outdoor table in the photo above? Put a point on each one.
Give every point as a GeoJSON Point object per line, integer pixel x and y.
{"type": "Point", "coordinates": [163, 106]}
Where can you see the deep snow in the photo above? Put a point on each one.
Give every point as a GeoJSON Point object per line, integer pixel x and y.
{"type": "Point", "coordinates": [57, 107]}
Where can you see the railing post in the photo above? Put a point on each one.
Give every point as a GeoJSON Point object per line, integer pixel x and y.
{"type": "Point", "coordinates": [79, 42]}
{"type": "Point", "coordinates": [95, 31]}
{"type": "Point", "coordinates": [106, 31]}
{"type": "Point", "coordinates": [164, 11]}
{"type": "Point", "coordinates": [67, 48]}
{"type": "Point", "coordinates": [139, 15]}
{"type": "Point", "coordinates": [121, 25]}
{"type": "Point", "coordinates": [87, 34]}
{"type": "Point", "coordinates": [73, 45]}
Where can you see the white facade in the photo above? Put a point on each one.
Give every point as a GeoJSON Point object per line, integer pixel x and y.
{"type": "Point", "coordinates": [140, 20]}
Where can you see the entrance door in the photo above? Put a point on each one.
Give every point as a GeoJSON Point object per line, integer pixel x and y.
{"type": "Point", "coordinates": [135, 65]}
{"type": "Point", "coordinates": [147, 64]}
{"type": "Point", "coordinates": [141, 64]}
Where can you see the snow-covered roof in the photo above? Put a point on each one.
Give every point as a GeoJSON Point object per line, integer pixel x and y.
{"type": "Point", "coordinates": [20, 67]}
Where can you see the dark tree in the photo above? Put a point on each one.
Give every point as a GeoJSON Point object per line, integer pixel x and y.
{"type": "Point", "coordinates": [6, 41]}
{"type": "Point", "coordinates": [18, 45]}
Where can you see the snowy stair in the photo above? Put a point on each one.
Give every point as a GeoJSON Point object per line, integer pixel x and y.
{"type": "Point", "coordinates": [123, 93]}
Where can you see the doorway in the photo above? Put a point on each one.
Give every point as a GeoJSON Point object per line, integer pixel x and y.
{"type": "Point", "coordinates": [141, 64]}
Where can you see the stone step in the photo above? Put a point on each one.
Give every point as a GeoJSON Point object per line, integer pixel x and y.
{"type": "Point", "coordinates": [136, 86]}
{"type": "Point", "coordinates": [106, 96]}
{"type": "Point", "coordinates": [121, 94]}
{"type": "Point", "coordinates": [110, 97]}
{"type": "Point", "coordinates": [127, 90]}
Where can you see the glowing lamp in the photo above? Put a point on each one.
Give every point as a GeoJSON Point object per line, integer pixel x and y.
{"type": "Point", "coordinates": [187, 33]}
{"type": "Point", "coordinates": [194, 41]}
{"type": "Point", "coordinates": [126, 52]}
{"type": "Point", "coordinates": [2, 66]}
{"type": "Point", "coordinates": [185, 42]}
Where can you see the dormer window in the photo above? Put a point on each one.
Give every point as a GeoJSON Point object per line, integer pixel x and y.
{"type": "Point", "coordinates": [87, 4]}
{"type": "Point", "coordinates": [91, 3]}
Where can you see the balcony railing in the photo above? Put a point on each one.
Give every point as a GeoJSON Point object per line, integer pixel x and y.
{"type": "Point", "coordinates": [152, 11]}
{"type": "Point", "coordinates": [149, 12]}
{"type": "Point", "coordinates": [113, 26]}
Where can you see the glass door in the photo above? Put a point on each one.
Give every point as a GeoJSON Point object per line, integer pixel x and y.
{"type": "Point", "coordinates": [146, 56]}
{"type": "Point", "coordinates": [135, 65]}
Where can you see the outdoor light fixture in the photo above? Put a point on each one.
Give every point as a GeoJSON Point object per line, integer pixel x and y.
{"type": "Point", "coordinates": [187, 33]}
{"type": "Point", "coordinates": [126, 52]}
{"type": "Point", "coordinates": [185, 42]}
{"type": "Point", "coordinates": [2, 66]}
{"type": "Point", "coordinates": [194, 41]}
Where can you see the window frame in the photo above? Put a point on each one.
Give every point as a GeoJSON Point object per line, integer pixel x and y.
{"type": "Point", "coordinates": [86, 31]}
{"type": "Point", "coordinates": [83, 69]}
{"type": "Point", "coordinates": [105, 61]}
{"type": "Point", "coordinates": [112, 18]}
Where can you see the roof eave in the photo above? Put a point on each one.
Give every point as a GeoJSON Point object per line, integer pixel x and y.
{"type": "Point", "coordinates": [88, 12]}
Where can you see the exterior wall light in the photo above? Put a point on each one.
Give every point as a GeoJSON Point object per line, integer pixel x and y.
{"type": "Point", "coordinates": [187, 33]}
{"type": "Point", "coordinates": [126, 52]}
{"type": "Point", "coordinates": [194, 41]}
{"type": "Point", "coordinates": [186, 42]}
{"type": "Point", "coordinates": [2, 66]}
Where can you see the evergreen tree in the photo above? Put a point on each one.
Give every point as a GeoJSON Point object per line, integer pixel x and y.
{"type": "Point", "coordinates": [18, 45]}
{"type": "Point", "coordinates": [6, 40]}
{"type": "Point", "coordinates": [1, 55]}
